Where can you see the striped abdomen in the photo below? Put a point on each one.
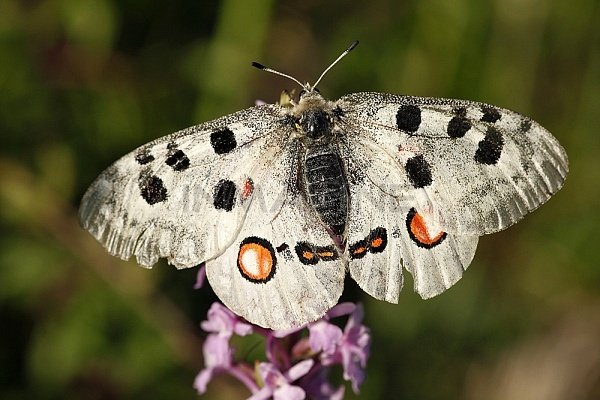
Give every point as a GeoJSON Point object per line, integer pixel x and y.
{"type": "Point", "coordinates": [326, 185]}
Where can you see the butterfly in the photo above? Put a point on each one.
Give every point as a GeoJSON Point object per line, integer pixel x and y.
{"type": "Point", "coordinates": [280, 201]}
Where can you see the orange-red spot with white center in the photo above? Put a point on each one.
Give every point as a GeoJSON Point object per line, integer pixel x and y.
{"type": "Point", "coordinates": [255, 261]}
{"type": "Point", "coordinates": [419, 230]}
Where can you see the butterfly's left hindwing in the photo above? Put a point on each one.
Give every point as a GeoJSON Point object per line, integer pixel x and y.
{"type": "Point", "coordinates": [480, 168]}
{"type": "Point", "coordinates": [283, 269]}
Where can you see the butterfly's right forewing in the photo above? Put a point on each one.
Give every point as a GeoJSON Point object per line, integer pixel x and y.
{"type": "Point", "coordinates": [480, 167]}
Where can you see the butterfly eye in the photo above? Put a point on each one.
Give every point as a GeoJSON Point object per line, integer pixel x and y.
{"type": "Point", "coordinates": [316, 90]}
{"type": "Point", "coordinates": [302, 93]}
{"type": "Point", "coordinates": [338, 112]}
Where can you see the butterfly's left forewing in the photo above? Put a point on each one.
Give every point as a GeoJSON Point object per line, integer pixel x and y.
{"type": "Point", "coordinates": [479, 168]}
{"type": "Point", "coordinates": [184, 196]}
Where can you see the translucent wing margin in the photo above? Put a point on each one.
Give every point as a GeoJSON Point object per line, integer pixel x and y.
{"type": "Point", "coordinates": [184, 196]}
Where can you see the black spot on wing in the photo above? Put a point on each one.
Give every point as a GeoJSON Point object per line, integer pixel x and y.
{"type": "Point", "coordinates": [490, 147]}
{"type": "Point", "coordinates": [306, 253]}
{"type": "Point", "coordinates": [223, 141]}
{"type": "Point", "coordinates": [490, 114]}
{"type": "Point", "coordinates": [377, 240]}
{"type": "Point", "coordinates": [358, 250]}
{"type": "Point", "coordinates": [525, 126]}
{"type": "Point", "coordinates": [408, 118]}
{"type": "Point", "coordinates": [152, 189]}
{"type": "Point", "coordinates": [178, 161]}
{"type": "Point", "coordinates": [327, 253]}
{"type": "Point", "coordinates": [419, 171]}
{"type": "Point", "coordinates": [144, 157]}
{"type": "Point", "coordinates": [282, 247]}
{"type": "Point", "coordinates": [458, 127]}
{"type": "Point", "coordinates": [224, 195]}
{"type": "Point", "coordinates": [460, 111]}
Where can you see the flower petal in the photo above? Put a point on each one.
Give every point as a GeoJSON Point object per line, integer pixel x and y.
{"type": "Point", "coordinates": [327, 391]}
{"type": "Point", "coordinates": [200, 276]}
{"type": "Point", "coordinates": [353, 371]}
{"type": "Point", "coordinates": [263, 394]}
{"type": "Point", "coordinates": [202, 379]}
{"type": "Point", "coordinates": [221, 320]}
{"type": "Point", "coordinates": [217, 352]}
{"type": "Point", "coordinates": [286, 332]}
{"type": "Point", "coordinates": [324, 336]}
{"type": "Point", "coordinates": [341, 309]}
{"type": "Point", "coordinates": [289, 392]}
{"type": "Point", "coordinates": [297, 371]}
{"type": "Point", "coordinates": [270, 375]}
{"type": "Point", "coordinates": [356, 317]}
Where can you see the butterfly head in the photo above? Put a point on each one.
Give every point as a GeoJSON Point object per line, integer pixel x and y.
{"type": "Point", "coordinates": [313, 117]}
{"type": "Point", "coordinates": [315, 123]}
{"type": "Point", "coordinates": [307, 88]}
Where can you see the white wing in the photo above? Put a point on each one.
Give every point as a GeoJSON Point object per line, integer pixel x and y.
{"type": "Point", "coordinates": [283, 269]}
{"type": "Point", "coordinates": [480, 167]}
{"type": "Point", "coordinates": [183, 196]}
{"type": "Point", "coordinates": [387, 231]}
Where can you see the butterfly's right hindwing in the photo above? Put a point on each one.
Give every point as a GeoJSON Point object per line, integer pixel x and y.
{"type": "Point", "coordinates": [387, 231]}
{"type": "Point", "coordinates": [183, 196]}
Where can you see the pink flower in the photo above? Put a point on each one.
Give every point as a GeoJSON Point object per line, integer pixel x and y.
{"type": "Point", "coordinates": [217, 358]}
{"type": "Point", "coordinates": [222, 321]}
{"type": "Point", "coordinates": [218, 355]}
{"type": "Point", "coordinates": [297, 366]}
{"type": "Point", "coordinates": [200, 276]}
{"type": "Point", "coordinates": [317, 386]}
{"type": "Point", "coordinates": [278, 385]}
{"type": "Point", "coordinates": [349, 348]}
{"type": "Point", "coordinates": [355, 349]}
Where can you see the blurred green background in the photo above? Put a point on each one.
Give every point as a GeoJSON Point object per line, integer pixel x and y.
{"type": "Point", "coordinates": [83, 82]}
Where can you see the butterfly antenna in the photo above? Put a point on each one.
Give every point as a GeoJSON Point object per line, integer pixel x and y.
{"type": "Point", "coordinates": [348, 50]}
{"type": "Point", "coordinates": [262, 67]}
